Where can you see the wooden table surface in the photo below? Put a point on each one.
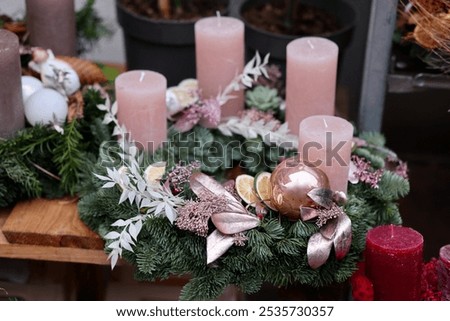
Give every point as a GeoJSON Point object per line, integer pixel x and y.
{"type": "Point", "coordinates": [48, 230]}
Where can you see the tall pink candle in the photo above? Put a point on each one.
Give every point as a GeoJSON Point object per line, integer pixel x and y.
{"type": "Point", "coordinates": [141, 100]}
{"type": "Point", "coordinates": [52, 25]}
{"type": "Point", "coordinates": [394, 257]}
{"type": "Point", "coordinates": [219, 49]}
{"type": "Point", "coordinates": [444, 272]}
{"type": "Point", "coordinates": [311, 69]}
{"type": "Point", "coordinates": [11, 105]}
{"type": "Point", "coordinates": [326, 142]}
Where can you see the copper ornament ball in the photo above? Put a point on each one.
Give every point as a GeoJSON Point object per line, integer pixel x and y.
{"type": "Point", "coordinates": [291, 180]}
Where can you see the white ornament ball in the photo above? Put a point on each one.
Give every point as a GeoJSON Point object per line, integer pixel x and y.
{"type": "Point", "coordinates": [45, 106]}
{"type": "Point", "coordinates": [60, 75]}
{"type": "Point", "coordinates": [29, 86]}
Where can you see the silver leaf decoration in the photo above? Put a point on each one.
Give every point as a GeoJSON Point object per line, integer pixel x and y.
{"type": "Point", "coordinates": [308, 213]}
{"type": "Point", "coordinates": [328, 231]}
{"type": "Point", "coordinates": [201, 183]}
{"type": "Point", "coordinates": [318, 250]}
{"type": "Point", "coordinates": [322, 197]}
{"type": "Point", "coordinates": [231, 223]}
{"type": "Point", "coordinates": [217, 244]}
{"type": "Point", "coordinates": [235, 219]}
{"type": "Point", "coordinates": [340, 198]}
{"type": "Point", "coordinates": [343, 237]}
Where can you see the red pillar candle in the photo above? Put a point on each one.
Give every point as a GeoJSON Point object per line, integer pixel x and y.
{"type": "Point", "coordinates": [52, 25]}
{"type": "Point", "coordinates": [394, 257]}
{"type": "Point", "coordinates": [444, 272]}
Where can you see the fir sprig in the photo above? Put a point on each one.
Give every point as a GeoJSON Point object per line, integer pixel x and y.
{"type": "Point", "coordinates": [39, 161]}
{"type": "Point", "coordinates": [275, 252]}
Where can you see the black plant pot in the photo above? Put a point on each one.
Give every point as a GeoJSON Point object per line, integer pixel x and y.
{"type": "Point", "coordinates": [267, 42]}
{"type": "Point", "coordinates": [165, 46]}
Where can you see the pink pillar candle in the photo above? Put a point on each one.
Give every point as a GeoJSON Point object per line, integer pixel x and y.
{"type": "Point", "coordinates": [311, 69]}
{"type": "Point", "coordinates": [141, 100]}
{"type": "Point", "coordinates": [394, 262]}
{"type": "Point", "coordinates": [12, 116]}
{"type": "Point", "coordinates": [219, 50]}
{"type": "Point", "coordinates": [444, 272]}
{"type": "Point", "coordinates": [326, 142]}
{"type": "Point", "coordinates": [52, 25]}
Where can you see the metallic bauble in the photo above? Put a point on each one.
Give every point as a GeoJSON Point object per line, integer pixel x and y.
{"type": "Point", "coordinates": [291, 181]}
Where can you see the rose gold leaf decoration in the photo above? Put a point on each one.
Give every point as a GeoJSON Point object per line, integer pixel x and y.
{"type": "Point", "coordinates": [201, 183]}
{"type": "Point", "coordinates": [322, 197]}
{"type": "Point", "coordinates": [328, 231]}
{"type": "Point", "coordinates": [217, 244]}
{"type": "Point", "coordinates": [308, 213]}
{"type": "Point", "coordinates": [318, 250]}
{"type": "Point", "coordinates": [340, 198]}
{"type": "Point", "coordinates": [231, 223]}
{"type": "Point", "coordinates": [343, 237]}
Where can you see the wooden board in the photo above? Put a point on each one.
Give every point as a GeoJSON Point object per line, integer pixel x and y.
{"type": "Point", "coordinates": [49, 223]}
{"type": "Point", "coordinates": [47, 253]}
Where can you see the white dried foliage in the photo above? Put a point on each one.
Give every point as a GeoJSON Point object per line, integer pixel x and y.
{"type": "Point", "coordinates": [269, 131]}
{"type": "Point", "coordinates": [151, 198]}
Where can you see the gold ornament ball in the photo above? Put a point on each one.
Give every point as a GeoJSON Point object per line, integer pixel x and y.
{"type": "Point", "coordinates": [291, 181]}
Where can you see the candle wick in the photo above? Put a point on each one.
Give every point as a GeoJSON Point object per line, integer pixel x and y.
{"type": "Point", "coordinates": [141, 79]}
{"type": "Point", "coordinates": [310, 44]}
{"type": "Point", "coordinates": [325, 123]}
{"type": "Point", "coordinates": [219, 21]}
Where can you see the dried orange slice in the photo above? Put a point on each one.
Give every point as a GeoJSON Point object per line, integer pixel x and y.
{"type": "Point", "coordinates": [263, 188]}
{"type": "Point", "coordinates": [154, 172]}
{"type": "Point", "coordinates": [244, 187]}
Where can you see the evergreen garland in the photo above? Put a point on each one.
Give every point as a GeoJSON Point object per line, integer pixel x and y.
{"type": "Point", "coordinates": [275, 251]}
{"type": "Point", "coordinates": [41, 162]}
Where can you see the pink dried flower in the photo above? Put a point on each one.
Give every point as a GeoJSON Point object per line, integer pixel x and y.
{"type": "Point", "coordinates": [194, 215]}
{"type": "Point", "coordinates": [256, 115]}
{"type": "Point", "coordinates": [397, 166]}
{"type": "Point", "coordinates": [188, 119]}
{"type": "Point", "coordinates": [402, 169]}
{"type": "Point", "coordinates": [327, 214]}
{"type": "Point", "coordinates": [210, 113]}
{"type": "Point", "coordinates": [239, 239]}
{"type": "Point", "coordinates": [180, 175]}
{"type": "Point", "coordinates": [204, 112]}
{"type": "Point", "coordinates": [362, 171]}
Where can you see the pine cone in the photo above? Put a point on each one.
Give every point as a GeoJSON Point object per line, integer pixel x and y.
{"type": "Point", "coordinates": [19, 28]}
{"type": "Point", "coordinates": [88, 72]}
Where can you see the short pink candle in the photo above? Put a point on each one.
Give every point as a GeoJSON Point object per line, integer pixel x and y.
{"type": "Point", "coordinates": [12, 116]}
{"type": "Point", "coordinates": [444, 272]}
{"type": "Point", "coordinates": [219, 49]}
{"type": "Point", "coordinates": [141, 99]}
{"type": "Point", "coordinates": [311, 69]}
{"type": "Point", "coordinates": [52, 25]}
{"type": "Point", "coordinates": [394, 262]}
{"type": "Point", "coordinates": [326, 142]}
